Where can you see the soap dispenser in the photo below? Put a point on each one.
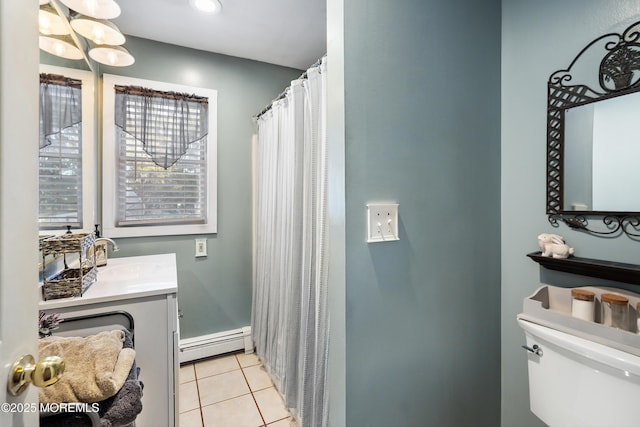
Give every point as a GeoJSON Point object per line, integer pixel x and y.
{"type": "Point", "coordinates": [101, 248]}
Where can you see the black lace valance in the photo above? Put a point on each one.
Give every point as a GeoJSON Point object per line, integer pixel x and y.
{"type": "Point", "coordinates": [164, 122]}
{"type": "Point", "coordinates": [60, 105]}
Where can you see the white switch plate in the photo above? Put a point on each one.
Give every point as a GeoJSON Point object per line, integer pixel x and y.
{"type": "Point", "coordinates": [382, 222]}
{"type": "Point", "coordinates": [201, 247]}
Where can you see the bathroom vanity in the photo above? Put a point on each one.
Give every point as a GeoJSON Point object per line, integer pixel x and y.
{"type": "Point", "coordinates": [145, 287]}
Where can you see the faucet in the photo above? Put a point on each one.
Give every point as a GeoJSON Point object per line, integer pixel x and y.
{"type": "Point", "coordinates": [108, 240]}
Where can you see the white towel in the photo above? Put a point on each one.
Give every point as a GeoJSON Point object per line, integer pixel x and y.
{"type": "Point", "coordinates": [96, 367]}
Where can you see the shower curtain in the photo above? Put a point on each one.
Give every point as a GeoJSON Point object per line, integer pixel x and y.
{"type": "Point", "coordinates": [289, 314]}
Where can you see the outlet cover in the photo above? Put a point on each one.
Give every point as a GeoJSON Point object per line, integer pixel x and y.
{"type": "Point", "coordinates": [382, 222]}
{"type": "Point", "coordinates": [201, 248]}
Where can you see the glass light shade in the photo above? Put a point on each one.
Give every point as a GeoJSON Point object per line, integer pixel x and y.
{"type": "Point", "coordinates": [62, 46]}
{"type": "Point", "coordinates": [100, 31]}
{"type": "Point", "coordinates": [43, 2]}
{"type": "Point", "coordinates": [49, 22]}
{"type": "Point", "coordinates": [100, 9]}
{"type": "Point", "coordinates": [206, 6]}
{"type": "Point", "coordinates": [115, 56]}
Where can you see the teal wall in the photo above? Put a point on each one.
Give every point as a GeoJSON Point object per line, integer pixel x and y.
{"type": "Point", "coordinates": [214, 293]}
{"type": "Point", "coordinates": [422, 117]}
{"type": "Point", "coordinates": [539, 38]}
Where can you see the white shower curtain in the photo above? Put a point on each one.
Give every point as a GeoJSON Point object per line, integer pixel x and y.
{"type": "Point", "coordinates": [289, 316]}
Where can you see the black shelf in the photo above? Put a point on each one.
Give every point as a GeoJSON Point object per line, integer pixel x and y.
{"type": "Point", "coordinates": [609, 270]}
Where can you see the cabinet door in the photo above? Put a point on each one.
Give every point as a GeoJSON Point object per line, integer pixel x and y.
{"type": "Point", "coordinates": [155, 329]}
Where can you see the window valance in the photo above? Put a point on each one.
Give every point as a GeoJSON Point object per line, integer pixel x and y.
{"type": "Point", "coordinates": [166, 123]}
{"type": "Point", "coordinates": [60, 105]}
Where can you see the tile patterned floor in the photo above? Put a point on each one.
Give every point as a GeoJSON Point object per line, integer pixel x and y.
{"type": "Point", "coordinates": [230, 390]}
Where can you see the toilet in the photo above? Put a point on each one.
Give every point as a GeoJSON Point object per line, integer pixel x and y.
{"type": "Point", "coordinates": [578, 382]}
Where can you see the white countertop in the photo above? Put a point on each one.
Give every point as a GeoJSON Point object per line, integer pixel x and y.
{"type": "Point", "coordinates": [125, 278]}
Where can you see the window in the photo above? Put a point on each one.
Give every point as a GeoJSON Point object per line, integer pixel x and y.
{"type": "Point", "coordinates": [66, 173]}
{"type": "Point", "coordinates": [159, 159]}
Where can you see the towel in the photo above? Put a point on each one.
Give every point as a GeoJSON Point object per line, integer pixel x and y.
{"type": "Point", "coordinates": [123, 408]}
{"type": "Point", "coordinates": [96, 367]}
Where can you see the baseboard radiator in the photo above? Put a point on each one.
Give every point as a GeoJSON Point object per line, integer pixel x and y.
{"type": "Point", "coordinates": [214, 344]}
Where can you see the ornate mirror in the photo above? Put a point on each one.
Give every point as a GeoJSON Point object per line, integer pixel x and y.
{"type": "Point", "coordinates": [593, 137]}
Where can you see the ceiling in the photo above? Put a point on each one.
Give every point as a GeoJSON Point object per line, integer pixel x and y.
{"type": "Point", "coordinates": [290, 33]}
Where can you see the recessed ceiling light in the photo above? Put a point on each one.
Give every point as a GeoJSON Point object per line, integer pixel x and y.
{"type": "Point", "coordinates": [206, 6]}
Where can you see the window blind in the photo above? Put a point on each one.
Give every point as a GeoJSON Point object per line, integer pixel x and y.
{"type": "Point", "coordinates": [152, 190]}
{"type": "Point", "coordinates": [60, 156]}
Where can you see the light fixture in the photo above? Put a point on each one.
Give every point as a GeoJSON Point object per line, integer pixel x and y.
{"type": "Point", "coordinates": [100, 31]}
{"type": "Point", "coordinates": [115, 56]}
{"type": "Point", "coordinates": [100, 9]}
{"type": "Point", "coordinates": [206, 6]}
{"type": "Point", "coordinates": [89, 28]}
{"type": "Point", "coordinates": [62, 46]}
{"type": "Point", "coordinates": [49, 22]}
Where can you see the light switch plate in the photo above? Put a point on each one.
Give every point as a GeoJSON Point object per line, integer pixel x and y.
{"type": "Point", "coordinates": [382, 222]}
{"type": "Point", "coordinates": [201, 248]}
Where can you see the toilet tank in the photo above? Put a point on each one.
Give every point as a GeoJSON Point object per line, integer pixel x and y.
{"type": "Point", "coordinates": [574, 381]}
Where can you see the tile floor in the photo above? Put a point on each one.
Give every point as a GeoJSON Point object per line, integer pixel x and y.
{"type": "Point", "coordinates": [230, 390]}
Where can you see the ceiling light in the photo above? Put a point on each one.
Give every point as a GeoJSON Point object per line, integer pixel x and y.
{"type": "Point", "coordinates": [62, 46]}
{"type": "Point", "coordinates": [115, 56]}
{"type": "Point", "coordinates": [49, 22]}
{"type": "Point", "coordinates": [100, 31]}
{"type": "Point", "coordinates": [100, 9]}
{"type": "Point", "coordinates": [87, 28]}
{"type": "Point", "coordinates": [206, 6]}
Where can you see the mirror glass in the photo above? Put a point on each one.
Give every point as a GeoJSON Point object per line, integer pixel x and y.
{"type": "Point", "coordinates": [601, 153]}
{"type": "Point", "coordinates": [67, 147]}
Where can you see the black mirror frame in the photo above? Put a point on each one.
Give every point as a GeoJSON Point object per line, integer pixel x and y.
{"type": "Point", "coordinates": [618, 74]}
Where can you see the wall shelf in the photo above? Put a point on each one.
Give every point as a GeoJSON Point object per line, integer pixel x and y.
{"type": "Point", "coordinates": [609, 270]}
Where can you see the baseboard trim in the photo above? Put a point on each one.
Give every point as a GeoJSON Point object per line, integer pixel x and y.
{"type": "Point", "coordinates": [214, 344]}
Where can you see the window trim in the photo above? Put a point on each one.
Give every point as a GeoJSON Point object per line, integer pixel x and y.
{"type": "Point", "coordinates": [89, 138]}
{"type": "Point", "coordinates": [110, 161]}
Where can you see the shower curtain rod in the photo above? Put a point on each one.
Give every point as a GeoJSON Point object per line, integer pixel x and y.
{"type": "Point", "coordinates": [284, 92]}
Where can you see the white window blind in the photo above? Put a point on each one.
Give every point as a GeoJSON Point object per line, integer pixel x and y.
{"type": "Point", "coordinates": [159, 158]}
{"type": "Point", "coordinates": [60, 159]}
{"type": "Point", "coordinates": [148, 194]}
{"type": "Point", "coordinates": [162, 158]}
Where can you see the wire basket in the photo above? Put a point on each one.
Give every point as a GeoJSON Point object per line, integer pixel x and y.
{"type": "Point", "coordinates": [70, 282]}
{"type": "Point", "coordinates": [69, 243]}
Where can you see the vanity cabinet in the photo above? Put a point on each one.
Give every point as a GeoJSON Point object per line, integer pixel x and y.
{"type": "Point", "coordinates": [146, 288]}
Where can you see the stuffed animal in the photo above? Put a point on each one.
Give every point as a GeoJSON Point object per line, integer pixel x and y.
{"type": "Point", "coordinates": [554, 246]}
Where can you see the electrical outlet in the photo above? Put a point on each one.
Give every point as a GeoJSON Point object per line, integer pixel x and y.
{"type": "Point", "coordinates": [382, 222]}
{"type": "Point", "coordinates": [201, 248]}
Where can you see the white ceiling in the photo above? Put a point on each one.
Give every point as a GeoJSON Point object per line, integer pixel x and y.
{"type": "Point", "coordinates": [291, 33]}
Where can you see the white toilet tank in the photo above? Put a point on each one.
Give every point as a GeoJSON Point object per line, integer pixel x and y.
{"type": "Point", "coordinates": [578, 382]}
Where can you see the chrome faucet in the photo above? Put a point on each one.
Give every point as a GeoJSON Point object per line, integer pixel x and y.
{"type": "Point", "coordinates": [108, 240]}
